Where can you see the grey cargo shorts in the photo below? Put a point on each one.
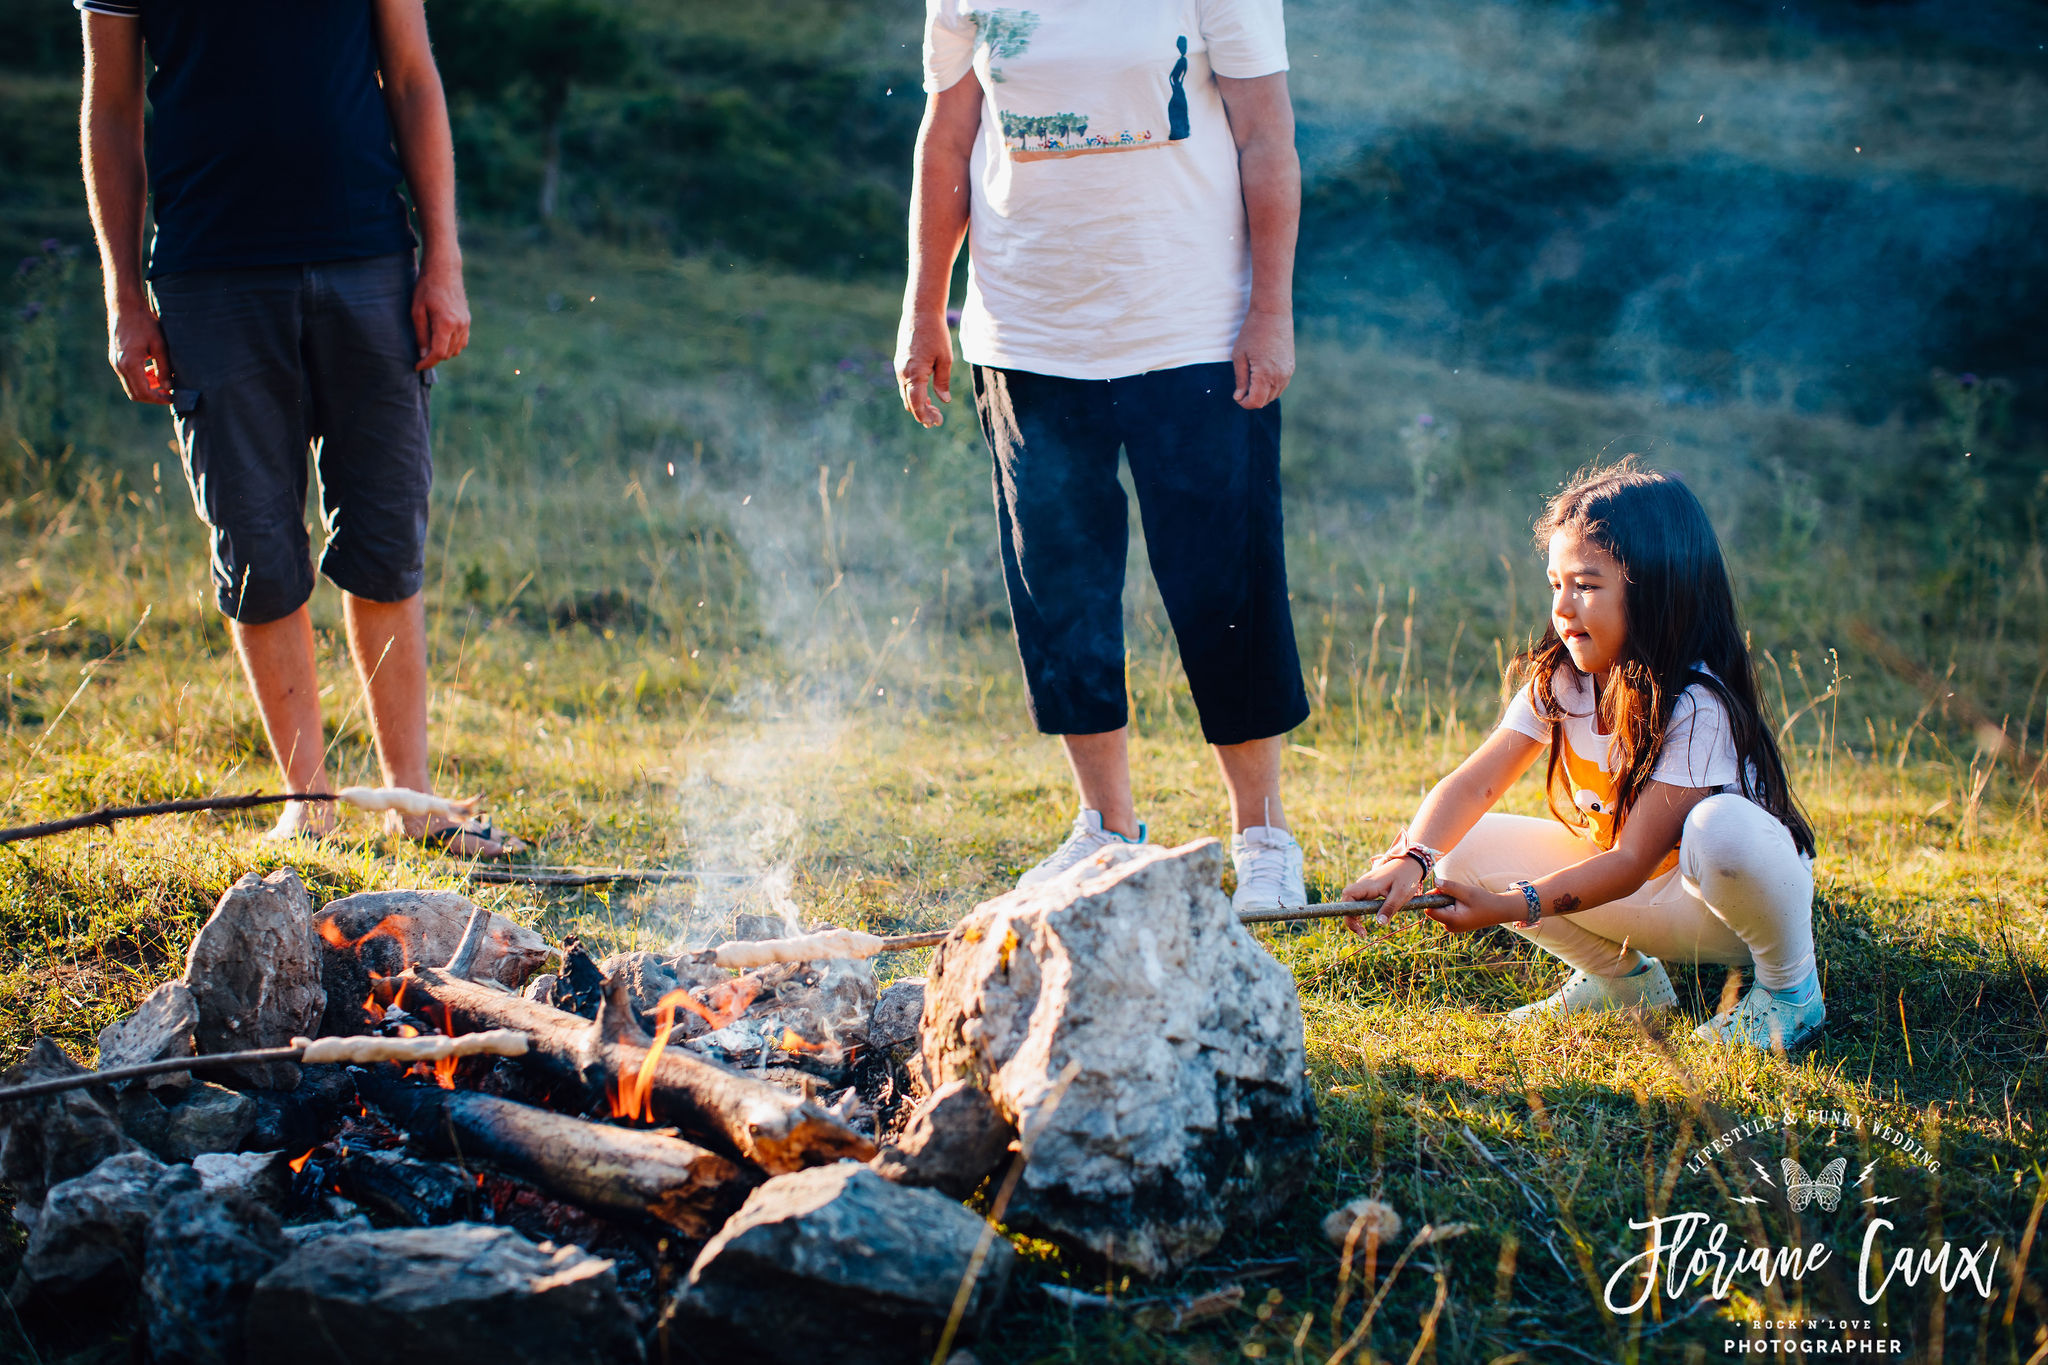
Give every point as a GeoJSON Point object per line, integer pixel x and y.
{"type": "Point", "coordinates": [268, 362]}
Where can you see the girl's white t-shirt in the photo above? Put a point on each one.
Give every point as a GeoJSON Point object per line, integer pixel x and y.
{"type": "Point", "coordinates": [1699, 745]}
{"type": "Point", "coordinates": [1106, 230]}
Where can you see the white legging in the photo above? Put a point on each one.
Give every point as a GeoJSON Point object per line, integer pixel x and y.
{"type": "Point", "coordinates": [1742, 893]}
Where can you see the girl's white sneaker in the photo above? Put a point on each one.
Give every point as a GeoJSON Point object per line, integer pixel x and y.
{"type": "Point", "coordinates": [1764, 1021]}
{"type": "Point", "coordinates": [1648, 991]}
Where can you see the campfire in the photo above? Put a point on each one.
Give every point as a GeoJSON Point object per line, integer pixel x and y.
{"type": "Point", "coordinates": [383, 1118]}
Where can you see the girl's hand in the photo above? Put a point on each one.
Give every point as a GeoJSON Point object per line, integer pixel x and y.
{"type": "Point", "coordinates": [1396, 879]}
{"type": "Point", "coordinates": [1477, 908]}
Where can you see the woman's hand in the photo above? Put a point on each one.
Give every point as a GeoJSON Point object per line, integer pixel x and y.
{"type": "Point", "coordinates": [1263, 358]}
{"type": "Point", "coordinates": [1394, 878]}
{"type": "Point", "coordinates": [1477, 908]}
{"type": "Point", "coordinates": [924, 356]}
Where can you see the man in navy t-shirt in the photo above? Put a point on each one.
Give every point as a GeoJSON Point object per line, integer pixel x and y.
{"type": "Point", "coordinates": [281, 311]}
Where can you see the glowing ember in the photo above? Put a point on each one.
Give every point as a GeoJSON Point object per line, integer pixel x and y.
{"type": "Point", "coordinates": [792, 1041]}
{"type": "Point", "coordinates": [298, 1163]}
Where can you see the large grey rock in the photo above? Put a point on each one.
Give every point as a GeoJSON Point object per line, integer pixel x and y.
{"type": "Point", "coordinates": [385, 932]}
{"type": "Point", "coordinates": [1189, 1109]}
{"type": "Point", "coordinates": [264, 1176]}
{"type": "Point", "coordinates": [163, 1026]}
{"type": "Point", "coordinates": [836, 1263]}
{"type": "Point", "coordinates": [52, 1138]}
{"type": "Point", "coordinates": [93, 1230]}
{"type": "Point", "coordinates": [461, 1293]}
{"type": "Point", "coordinates": [207, 1249]}
{"type": "Point", "coordinates": [254, 970]}
{"type": "Point", "coordinates": [953, 1141]}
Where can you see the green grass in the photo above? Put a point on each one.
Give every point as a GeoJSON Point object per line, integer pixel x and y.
{"type": "Point", "coordinates": [749, 665]}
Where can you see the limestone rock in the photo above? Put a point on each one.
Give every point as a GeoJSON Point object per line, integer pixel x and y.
{"type": "Point", "coordinates": [93, 1230]}
{"type": "Point", "coordinates": [254, 970]}
{"type": "Point", "coordinates": [305, 1234]}
{"type": "Point", "coordinates": [207, 1249]}
{"type": "Point", "coordinates": [952, 1142]}
{"type": "Point", "coordinates": [1189, 1108]}
{"type": "Point", "coordinates": [458, 1293]}
{"type": "Point", "coordinates": [836, 1263]}
{"type": "Point", "coordinates": [164, 1025]}
{"type": "Point", "coordinates": [52, 1138]}
{"type": "Point", "coordinates": [206, 1118]}
{"type": "Point", "coordinates": [386, 932]}
{"type": "Point", "coordinates": [264, 1176]}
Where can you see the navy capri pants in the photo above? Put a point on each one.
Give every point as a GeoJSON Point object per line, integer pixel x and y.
{"type": "Point", "coordinates": [1207, 474]}
{"type": "Point", "coordinates": [267, 361]}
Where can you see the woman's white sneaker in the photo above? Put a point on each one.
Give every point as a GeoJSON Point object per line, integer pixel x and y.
{"type": "Point", "coordinates": [1648, 991]}
{"type": "Point", "coordinates": [1268, 863]}
{"type": "Point", "coordinates": [1088, 837]}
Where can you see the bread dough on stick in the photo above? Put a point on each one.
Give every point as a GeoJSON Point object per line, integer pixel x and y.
{"type": "Point", "coordinates": [408, 802]}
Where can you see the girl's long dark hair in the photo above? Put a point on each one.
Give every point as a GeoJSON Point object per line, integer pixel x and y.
{"type": "Point", "coordinates": [1680, 612]}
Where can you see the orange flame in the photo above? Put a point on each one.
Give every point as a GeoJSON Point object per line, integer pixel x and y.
{"type": "Point", "coordinates": [444, 1072]}
{"type": "Point", "coordinates": [331, 931]}
{"type": "Point", "coordinates": [298, 1163]}
{"type": "Point", "coordinates": [792, 1041]}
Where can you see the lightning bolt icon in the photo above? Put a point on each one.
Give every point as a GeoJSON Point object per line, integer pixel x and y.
{"type": "Point", "coordinates": [1866, 1173]}
{"type": "Point", "coordinates": [1766, 1175]}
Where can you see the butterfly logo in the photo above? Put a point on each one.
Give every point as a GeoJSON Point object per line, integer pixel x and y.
{"type": "Point", "coordinates": [1825, 1188]}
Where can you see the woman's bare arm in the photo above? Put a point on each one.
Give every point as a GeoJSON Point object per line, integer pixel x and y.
{"type": "Point", "coordinates": [1262, 123]}
{"type": "Point", "coordinates": [939, 198]}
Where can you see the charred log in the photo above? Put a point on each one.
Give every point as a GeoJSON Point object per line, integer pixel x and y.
{"type": "Point", "coordinates": [581, 1065]}
{"type": "Point", "coordinates": [613, 1170]}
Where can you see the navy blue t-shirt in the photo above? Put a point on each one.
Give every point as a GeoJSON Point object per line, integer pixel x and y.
{"type": "Point", "coordinates": [270, 144]}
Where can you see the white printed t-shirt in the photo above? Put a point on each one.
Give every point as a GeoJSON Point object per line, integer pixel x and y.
{"type": "Point", "coordinates": [1699, 747]}
{"type": "Point", "coordinates": [1106, 233]}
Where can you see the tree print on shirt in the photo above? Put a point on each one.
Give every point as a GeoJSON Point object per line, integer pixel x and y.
{"type": "Point", "coordinates": [1005, 33]}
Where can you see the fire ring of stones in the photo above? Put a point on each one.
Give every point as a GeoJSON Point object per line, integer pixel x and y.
{"type": "Point", "coordinates": [680, 1150]}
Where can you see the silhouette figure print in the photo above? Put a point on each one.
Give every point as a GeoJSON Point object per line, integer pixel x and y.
{"type": "Point", "coordinates": [1177, 104]}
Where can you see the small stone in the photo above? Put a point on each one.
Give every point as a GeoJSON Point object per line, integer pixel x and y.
{"type": "Point", "coordinates": [93, 1230]}
{"type": "Point", "coordinates": [207, 1250]}
{"type": "Point", "coordinates": [951, 1144]}
{"type": "Point", "coordinates": [1151, 1050]}
{"type": "Point", "coordinates": [894, 1025]}
{"type": "Point", "coordinates": [541, 988]}
{"type": "Point", "coordinates": [836, 1263]}
{"type": "Point", "coordinates": [207, 1118]}
{"type": "Point", "coordinates": [305, 1234]}
{"type": "Point", "coordinates": [52, 1138]}
{"type": "Point", "coordinates": [1381, 1223]}
{"type": "Point", "coordinates": [382, 933]}
{"type": "Point", "coordinates": [462, 1293]}
{"type": "Point", "coordinates": [254, 970]}
{"type": "Point", "coordinates": [264, 1176]}
{"type": "Point", "coordinates": [163, 1026]}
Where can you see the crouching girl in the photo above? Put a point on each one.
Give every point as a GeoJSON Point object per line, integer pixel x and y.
{"type": "Point", "coordinates": [1676, 837]}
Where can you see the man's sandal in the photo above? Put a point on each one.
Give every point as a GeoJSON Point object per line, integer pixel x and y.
{"type": "Point", "coordinates": [479, 828]}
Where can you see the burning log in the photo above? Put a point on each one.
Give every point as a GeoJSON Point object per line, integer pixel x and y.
{"type": "Point", "coordinates": [587, 1064]}
{"type": "Point", "coordinates": [612, 1170]}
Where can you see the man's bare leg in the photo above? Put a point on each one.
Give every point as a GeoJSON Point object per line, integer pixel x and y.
{"type": "Point", "coordinates": [1102, 772]}
{"type": "Point", "coordinates": [277, 658]}
{"type": "Point", "coordinates": [388, 641]}
{"type": "Point", "coordinates": [1251, 772]}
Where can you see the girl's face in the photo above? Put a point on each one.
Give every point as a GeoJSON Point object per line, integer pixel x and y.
{"type": "Point", "coordinates": [1586, 602]}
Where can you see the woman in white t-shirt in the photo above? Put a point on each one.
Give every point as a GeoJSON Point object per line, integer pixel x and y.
{"type": "Point", "coordinates": [1676, 836]}
{"type": "Point", "coordinates": [1125, 178]}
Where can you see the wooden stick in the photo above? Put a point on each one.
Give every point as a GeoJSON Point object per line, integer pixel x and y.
{"type": "Point", "coordinates": [592, 876]}
{"type": "Point", "coordinates": [612, 1170]}
{"type": "Point", "coordinates": [308, 1051]}
{"type": "Point", "coordinates": [844, 943]}
{"type": "Point", "coordinates": [106, 815]}
{"type": "Point", "coordinates": [583, 1062]}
